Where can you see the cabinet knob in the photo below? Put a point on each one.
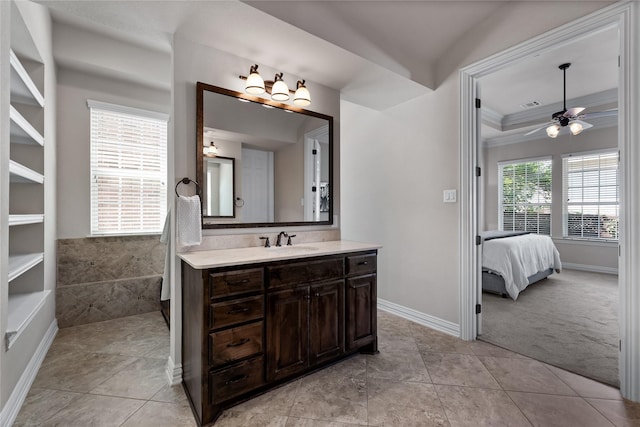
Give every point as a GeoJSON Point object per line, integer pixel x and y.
{"type": "Point", "coordinates": [363, 263]}
{"type": "Point", "coordinates": [317, 294]}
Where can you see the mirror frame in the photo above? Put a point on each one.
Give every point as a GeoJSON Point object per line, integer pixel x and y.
{"type": "Point", "coordinates": [200, 89]}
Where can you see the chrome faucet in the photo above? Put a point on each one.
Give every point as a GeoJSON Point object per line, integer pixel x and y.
{"type": "Point", "coordinates": [279, 240]}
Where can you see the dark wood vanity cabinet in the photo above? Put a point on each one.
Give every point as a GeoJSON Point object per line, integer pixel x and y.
{"type": "Point", "coordinates": [248, 328]}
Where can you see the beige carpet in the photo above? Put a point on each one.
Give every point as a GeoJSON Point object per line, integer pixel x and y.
{"type": "Point", "coordinates": [569, 320]}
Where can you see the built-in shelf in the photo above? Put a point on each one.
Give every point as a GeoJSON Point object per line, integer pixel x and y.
{"type": "Point", "coordinates": [22, 131]}
{"type": "Point", "coordinates": [23, 89]}
{"type": "Point", "coordinates": [22, 309]}
{"type": "Point", "coordinates": [22, 174]}
{"type": "Point", "coordinates": [24, 219]}
{"type": "Point", "coordinates": [19, 264]}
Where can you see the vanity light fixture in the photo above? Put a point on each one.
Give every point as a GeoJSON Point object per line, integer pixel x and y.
{"type": "Point", "coordinates": [277, 88]}
{"type": "Point", "coordinates": [210, 151]}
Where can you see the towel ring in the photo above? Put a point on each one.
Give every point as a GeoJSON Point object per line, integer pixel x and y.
{"type": "Point", "coordinates": [186, 180]}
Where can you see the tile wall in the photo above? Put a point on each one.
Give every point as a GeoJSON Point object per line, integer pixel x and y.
{"type": "Point", "coordinates": [103, 278]}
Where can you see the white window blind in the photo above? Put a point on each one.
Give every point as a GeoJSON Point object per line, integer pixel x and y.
{"type": "Point", "coordinates": [525, 195]}
{"type": "Point", "coordinates": [591, 207]}
{"type": "Point", "coordinates": [128, 170]}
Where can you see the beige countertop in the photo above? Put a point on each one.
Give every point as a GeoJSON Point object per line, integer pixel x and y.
{"type": "Point", "coordinates": [240, 256]}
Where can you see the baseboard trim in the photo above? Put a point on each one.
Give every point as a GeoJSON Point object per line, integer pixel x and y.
{"type": "Point", "coordinates": [589, 268]}
{"type": "Point", "coordinates": [174, 372]}
{"type": "Point", "coordinates": [420, 318]}
{"type": "Point", "coordinates": [20, 391]}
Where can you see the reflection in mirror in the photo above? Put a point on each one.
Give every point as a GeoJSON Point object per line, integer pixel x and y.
{"type": "Point", "coordinates": [218, 185]}
{"type": "Point", "coordinates": [280, 158]}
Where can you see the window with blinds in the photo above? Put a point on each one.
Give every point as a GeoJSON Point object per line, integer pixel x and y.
{"type": "Point", "coordinates": [525, 195]}
{"type": "Point", "coordinates": [128, 170]}
{"type": "Point", "coordinates": [591, 207]}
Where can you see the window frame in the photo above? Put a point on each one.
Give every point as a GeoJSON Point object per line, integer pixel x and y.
{"type": "Point", "coordinates": [162, 174]}
{"type": "Point", "coordinates": [565, 191]}
{"type": "Point", "coordinates": [501, 165]}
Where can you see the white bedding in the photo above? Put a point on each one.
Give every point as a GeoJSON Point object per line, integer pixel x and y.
{"type": "Point", "coordinates": [518, 257]}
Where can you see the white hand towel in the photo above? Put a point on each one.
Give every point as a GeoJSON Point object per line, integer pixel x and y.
{"type": "Point", "coordinates": [188, 221]}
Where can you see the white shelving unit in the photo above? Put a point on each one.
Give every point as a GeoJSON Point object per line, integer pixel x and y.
{"type": "Point", "coordinates": [25, 293]}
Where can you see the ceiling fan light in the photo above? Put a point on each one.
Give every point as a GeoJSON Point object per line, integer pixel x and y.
{"type": "Point", "coordinates": [575, 128]}
{"type": "Point", "coordinates": [302, 96]}
{"type": "Point", "coordinates": [553, 131]}
{"type": "Point", "coordinates": [255, 83]}
{"type": "Point", "coordinates": [280, 90]}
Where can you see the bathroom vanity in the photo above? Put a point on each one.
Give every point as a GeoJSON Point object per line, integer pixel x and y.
{"type": "Point", "coordinates": [256, 317]}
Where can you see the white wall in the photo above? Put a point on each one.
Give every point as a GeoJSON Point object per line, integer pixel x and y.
{"type": "Point", "coordinates": [14, 361]}
{"type": "Point", "coordinates": [604, 255]}
{"type": "Point", "coordinates": [395, 164]}
{"type": "Point", "coordinates": [74, 180]}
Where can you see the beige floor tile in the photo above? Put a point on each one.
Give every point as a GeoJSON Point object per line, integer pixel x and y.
{"type": "Point", "coordinates": [233, 418]}
{"type": "Point", "coordinates": [162, 414]}
{"type": "Point", "coordinates": [90, 410]}
{"type": "Point", "coordinates": [80, 372]}
{"type": "Point", "coordinates": [406, 404]}
{"type": "Point", "coordinates": [275, 402]}
{"type": "Point", "coordinates": [622, 413]}
{"type": "Point", "coordinates": [171, 394]}
{"type": "Point", "coordinates": [390, 340]}
{"type": "Point", "coordinates": [586, 387]}
{"type": "Point", "coordinates": [478, 407]}
{"type": "Point", "coordinates": [41, 404]}
{"type": "Point", "coordinates": [398, 365]}
{"type": "Point", "coordinates": [458, 369]}
{"type": "Point", "coordinates": [140, 380]}
{"type": "Point", "coordinates": [481, 348]}
{"type": "Point", "coordinates": [546, 410]}
{"type": "Point", "coordinates": [331, 398]}
{"type": "Point", "coordinates": [354, 367]}
{"type": "Point", "coordinates": [525, 375]}
{"type": "Point", "coordinates": [306, 422]}
{"type": "Point", "coordinates": [429, 340]}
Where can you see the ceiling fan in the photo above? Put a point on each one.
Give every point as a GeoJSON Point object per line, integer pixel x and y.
{"type": "Point", "coordinates": [571, 117]}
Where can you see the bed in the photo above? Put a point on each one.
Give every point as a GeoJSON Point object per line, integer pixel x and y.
{"type": "Point", "coordinates": [511, 261]}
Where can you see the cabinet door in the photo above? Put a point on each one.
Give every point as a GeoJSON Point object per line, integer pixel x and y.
{"type": "Point", "coordinates": [326, 322]}
{"type": "Point", "coordinates": [361, 311]}
{"type": "Point", "coordinates": [287, 332]}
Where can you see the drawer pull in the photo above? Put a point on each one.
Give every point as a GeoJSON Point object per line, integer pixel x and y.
{"type": "Point", "coordinates": [363, 263]}
{"type": "Point", "coordinates": [238, 310]}
{"type": "Point", "coordinates": [238, 282]}
{"type": "Point", "coordinates": [236, 379]}
{"type": "Point", "coordinates": [317, 294]}
{"type": "Point", "coordinates": [238, 343]}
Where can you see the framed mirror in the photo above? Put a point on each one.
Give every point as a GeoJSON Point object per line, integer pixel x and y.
{"type": "Point", "coordinates": [262, 163]}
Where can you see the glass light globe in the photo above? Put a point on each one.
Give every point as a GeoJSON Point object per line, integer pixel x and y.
{"type": "Point", "coordinates": [280, 91]}
{"type": "Point", "coordinates": [302, 96]}
{"type": "Point", "coordinates": [575, 128]}
{"type": "Point", "coordinates": [255, 84]}
{"type": "Point", "coordinates": [553, 131]}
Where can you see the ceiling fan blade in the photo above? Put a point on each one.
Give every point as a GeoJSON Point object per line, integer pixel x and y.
{"type": "Point", "coordinates": [584, 124]}
{"type": "Point", "coordinates": [572, 112]}
{"type": "Point", "coordinates": [597, 114]}
{"type": "Point", "coordinates": [535, 130]}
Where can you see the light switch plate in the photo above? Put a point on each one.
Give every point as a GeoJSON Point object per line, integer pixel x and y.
{"type": "Point", "coordinates": [449, 196]}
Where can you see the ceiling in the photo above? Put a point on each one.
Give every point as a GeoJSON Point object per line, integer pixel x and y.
{"type": "Point", "coordinates": [387, 50]}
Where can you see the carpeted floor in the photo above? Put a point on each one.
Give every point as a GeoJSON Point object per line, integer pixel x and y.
{"type": "Point", "coordinates": [569, 320]}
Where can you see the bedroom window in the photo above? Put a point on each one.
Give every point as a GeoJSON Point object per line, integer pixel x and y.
{"type": "Point", "coordinates": [525, 195]}
{"type": "Point", "coordinates": [128, 169]}
{"type": "Point", "coordinates": [590, 183]}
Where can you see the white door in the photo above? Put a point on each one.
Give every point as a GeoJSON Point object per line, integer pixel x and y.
{"type": "Point", "coordinates": [257, 185]}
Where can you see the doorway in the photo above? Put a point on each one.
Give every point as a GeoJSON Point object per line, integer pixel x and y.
{"type": "Point", "coordinates": [618, 15]}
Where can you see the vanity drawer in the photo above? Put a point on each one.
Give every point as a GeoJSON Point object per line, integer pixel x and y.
{"type": "Point", "coordinates": [236, 311]}
{"type": "Point", "coordinates": [305, 272]}
{"type": "Point", "coordinates": [234, 344]}
{"type": "Point", "coordinates": [235, 282]}
{"type": "Point", "coordinates": [231, 382]}
{"type": "Point", "coordinates": [361, 264]}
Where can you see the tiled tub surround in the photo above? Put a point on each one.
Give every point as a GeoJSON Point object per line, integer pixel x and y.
{"type": "Point", "coordinates": [103, 278]}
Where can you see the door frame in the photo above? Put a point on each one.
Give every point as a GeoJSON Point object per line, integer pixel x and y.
{"type": "Point", "coordinates": [626, 17]}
